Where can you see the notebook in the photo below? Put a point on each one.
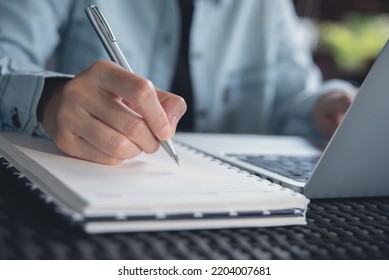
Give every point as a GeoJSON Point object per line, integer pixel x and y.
{"type": "Point", "coordinates": [353, 164]}
{"type": "Point", "coordinates": [150, 192]}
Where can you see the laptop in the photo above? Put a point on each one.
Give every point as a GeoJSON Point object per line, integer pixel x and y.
{"type": "Point", "coordinates": [354, 163]}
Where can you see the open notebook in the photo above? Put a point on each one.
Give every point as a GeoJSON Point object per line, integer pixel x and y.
{"type": "Point", "coordinates": [151, 192]}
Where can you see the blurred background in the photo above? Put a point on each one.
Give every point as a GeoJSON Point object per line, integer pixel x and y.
{"type": "Point", "coordinates": [345, 35]}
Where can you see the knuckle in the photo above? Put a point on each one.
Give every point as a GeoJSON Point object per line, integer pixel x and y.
{"type": "Point", "coordinates": [143, 89]}
{"type": "Point", "coordinates": [101, 64]}
{"type": "Point", "coordinates": [134, 153]}
{"type": "Point", "coordinates": [105, 68]}
{"type": "Point", "coordinates": [118, 145]}
{"type": "Point", "coordinates": [139, 132]}
{"type": "Point", "coordinates": [135, 127]}
{"type": "Point", "coordinates": [144, 85]}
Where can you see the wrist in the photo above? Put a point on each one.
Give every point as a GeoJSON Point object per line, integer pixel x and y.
{"type": "Point", "coordinates": [52, 88]}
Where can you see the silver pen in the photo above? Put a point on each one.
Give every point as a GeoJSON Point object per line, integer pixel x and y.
{"type": "Point", "coordinates": [108, 39]}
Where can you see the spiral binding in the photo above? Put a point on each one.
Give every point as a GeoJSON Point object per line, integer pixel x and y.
{"type": "Point", "coordinates": [213, 158]}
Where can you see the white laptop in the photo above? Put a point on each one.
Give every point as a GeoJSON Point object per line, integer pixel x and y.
{"type": "Point", "coordinates": [355, 163]}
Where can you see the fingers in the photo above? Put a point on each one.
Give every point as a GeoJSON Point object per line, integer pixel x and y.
{"type": "Point", "coordinates": [330, 110]}
{"type": "Point", "coordinates": [114, 114]}
{"type": "Point", "coordinates": [81, 135]}
{"type": "Point", "coordinates": [337, 105]}
{"type": "Point", "coordinates": [105, 139]}
{"type": "Point", "coordinates": [173, 105]}
{"type": "Point", "coordinates": [107, 114]}
{"type": "Point", "coordinates": [78, 147]}
{"type": "Point", "coordinates": [140, 95]}
{"type": "Point", "coordinates": [326, 126]}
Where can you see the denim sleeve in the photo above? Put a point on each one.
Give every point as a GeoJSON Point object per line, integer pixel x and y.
{"type": "Point", "coordinates": [29, 34]}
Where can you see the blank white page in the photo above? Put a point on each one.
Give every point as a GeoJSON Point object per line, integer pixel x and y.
{"type": "Point", "coordinates": [155, 184]}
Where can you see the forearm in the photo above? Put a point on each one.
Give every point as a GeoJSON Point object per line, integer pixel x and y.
{"type": "Point", "coordinates": [299, 83]}
{"type": "Point", "coordinates": [298, 115]}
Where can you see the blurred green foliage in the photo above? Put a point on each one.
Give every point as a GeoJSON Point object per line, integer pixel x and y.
{"type": "Point", "coordinates": [356, 40]}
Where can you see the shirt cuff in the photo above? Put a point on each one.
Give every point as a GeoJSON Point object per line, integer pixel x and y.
{"type": "Point", "coordinates": [20, 95]}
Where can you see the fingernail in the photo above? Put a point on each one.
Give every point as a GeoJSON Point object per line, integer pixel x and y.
{"type": "Point", "coordinates": [164, 133]}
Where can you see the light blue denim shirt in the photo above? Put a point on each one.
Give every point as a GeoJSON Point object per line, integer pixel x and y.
{"type": "Point", "coordinates": [250, 72]}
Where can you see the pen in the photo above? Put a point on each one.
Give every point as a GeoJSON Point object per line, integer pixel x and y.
{"type": "Point", "coordinates": [108, 39]}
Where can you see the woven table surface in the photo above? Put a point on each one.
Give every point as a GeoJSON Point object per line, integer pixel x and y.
{"type": "Point", "coordinates": [336, 229]}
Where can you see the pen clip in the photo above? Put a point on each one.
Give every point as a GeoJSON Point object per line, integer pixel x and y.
{"type": "Point", "coordinates": [103, 22]}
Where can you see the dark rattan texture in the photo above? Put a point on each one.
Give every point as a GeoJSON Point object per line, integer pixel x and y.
{"type": "Point", "coordinates": [337, 229]}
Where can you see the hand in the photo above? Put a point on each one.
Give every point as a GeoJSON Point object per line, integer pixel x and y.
{"type": "Point", "coordinates": [329, 111]}
{"type": "Point", "coordinates": [107, 114]}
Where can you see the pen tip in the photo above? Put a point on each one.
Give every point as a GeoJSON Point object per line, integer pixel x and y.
{"type": "Point", "coordinates": [175, 157]}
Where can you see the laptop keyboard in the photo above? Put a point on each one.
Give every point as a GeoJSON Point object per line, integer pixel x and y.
{"type": "Point", "coordinates": [297, 168]}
